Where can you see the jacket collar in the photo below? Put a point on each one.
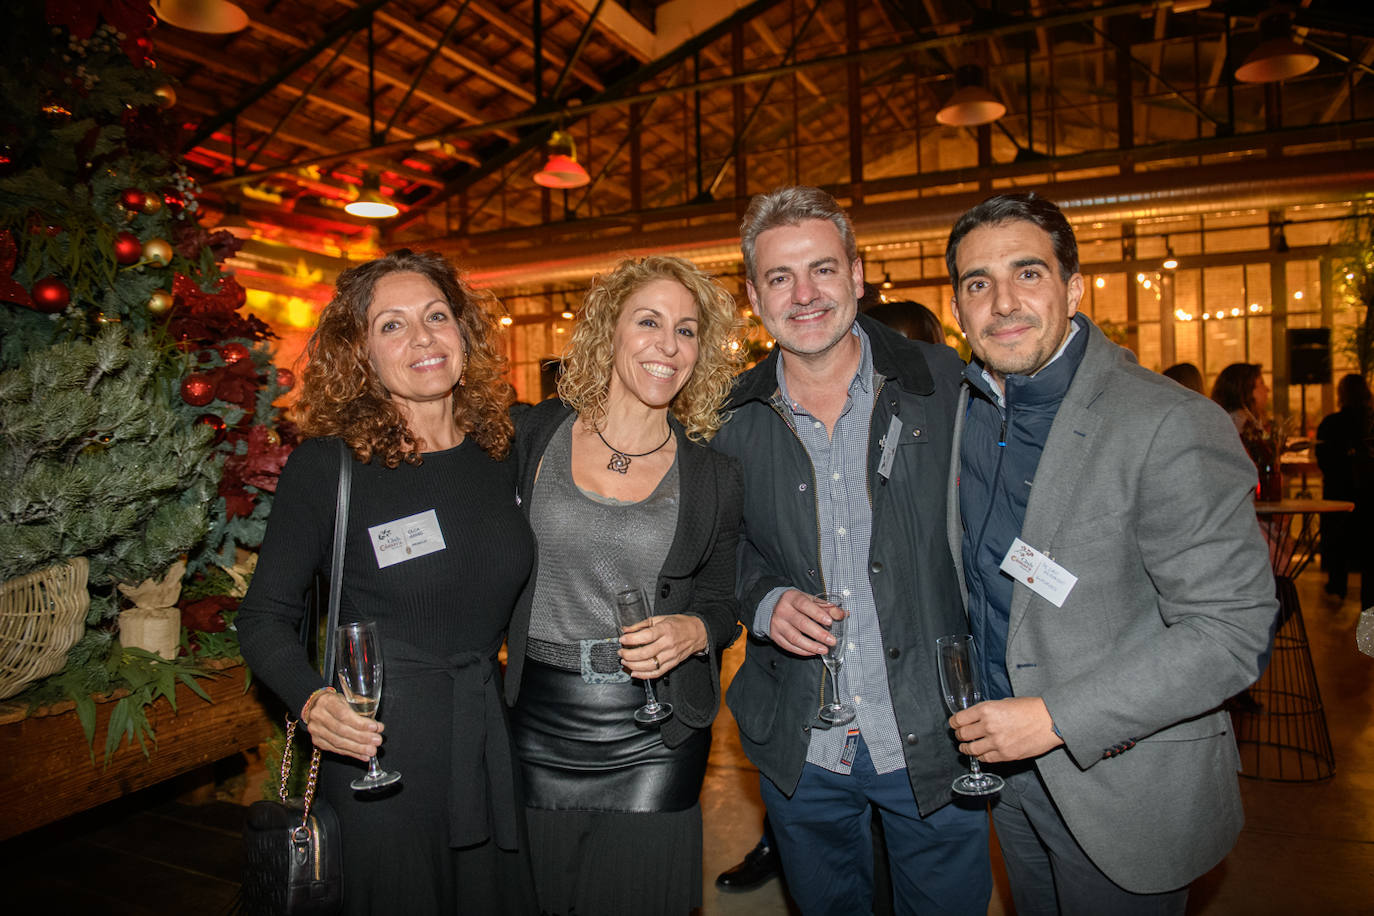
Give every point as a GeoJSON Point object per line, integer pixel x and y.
{"type": "Point", "coordinates": [1045, 389]}
{"type": "Point", "coordinates": [894, 358]}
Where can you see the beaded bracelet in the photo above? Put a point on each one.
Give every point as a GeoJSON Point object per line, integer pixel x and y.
{"type": "Point", "coordinates": [310, 702]}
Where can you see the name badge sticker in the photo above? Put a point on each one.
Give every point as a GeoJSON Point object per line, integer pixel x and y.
{"type": "Point", "coordinates": [1038, 572]}
{"type": "Point", "coordinates": [894, 435]}
{"type": "Point", "coordinates": [406, 538]}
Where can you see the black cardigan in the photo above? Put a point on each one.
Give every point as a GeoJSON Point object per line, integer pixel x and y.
{"type": "Point", "coordinates": [697, 578]}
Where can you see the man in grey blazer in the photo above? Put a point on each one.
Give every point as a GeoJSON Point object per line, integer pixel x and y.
{"type": "Point", "coordinates": [1117, 582]}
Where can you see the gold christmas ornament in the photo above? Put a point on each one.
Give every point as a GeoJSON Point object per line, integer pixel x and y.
{"type": "Point", "coordinates": [152, 203]}
{"type": "Point", "coordinates": [159, 302]}
{"type": "Point", "coordinates": [158, 251]}
{"type": "Point", "coordinates": [166, 96]}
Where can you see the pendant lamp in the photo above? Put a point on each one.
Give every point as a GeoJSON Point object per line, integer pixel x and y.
{"type": "Point", "coordinates": [561, 168]}
{"type": "Point", "coordinates": [370, 203]}
{"type": "Point", "coordinates": [1278, 56]}
{"type": "Point", "coordinates": [214, 16]}
{"type": "Point", "coordinates": [971, 104]}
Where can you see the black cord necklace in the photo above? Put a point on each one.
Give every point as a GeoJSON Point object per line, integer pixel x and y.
{"type": "Point", "coordinates": [620, 461]}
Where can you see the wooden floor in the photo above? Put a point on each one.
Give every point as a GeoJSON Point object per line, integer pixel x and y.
{"type": "Point", "coordinates": [1306, 847]}
{"type": "Point", "coordinates": [148, 853]}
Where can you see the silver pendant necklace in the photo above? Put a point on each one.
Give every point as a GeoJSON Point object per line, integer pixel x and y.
{"type": "Point", "coordinates": [620, 461]}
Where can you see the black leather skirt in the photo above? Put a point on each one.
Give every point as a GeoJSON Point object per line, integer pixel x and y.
{"type": "Point", "coordinates": [581, 749]}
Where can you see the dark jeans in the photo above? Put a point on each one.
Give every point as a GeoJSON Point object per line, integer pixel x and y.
{"type": "Point", "coordinates": [939, 863]}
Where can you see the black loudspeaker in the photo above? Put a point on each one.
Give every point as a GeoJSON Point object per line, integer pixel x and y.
{"type": "Point", "coordinates": [1309, 356]}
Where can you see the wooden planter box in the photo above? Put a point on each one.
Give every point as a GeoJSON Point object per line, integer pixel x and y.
{"type": "Point", "coordinates": [47, 772]}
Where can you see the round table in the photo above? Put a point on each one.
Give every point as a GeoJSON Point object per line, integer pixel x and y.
{"type": "Point", "coordinates": [1280, 721]}
{"type": "Point", "coordinates": [1291, 529]}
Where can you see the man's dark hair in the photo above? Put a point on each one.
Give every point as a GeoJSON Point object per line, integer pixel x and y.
{"type": "Point", "coordinates": [910, 319]}
{"type": "Point", "coordinates": [1005, 208]}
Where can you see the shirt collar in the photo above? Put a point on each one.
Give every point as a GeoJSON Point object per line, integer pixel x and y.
{"type": "Point", "coordinates": [863, 375]}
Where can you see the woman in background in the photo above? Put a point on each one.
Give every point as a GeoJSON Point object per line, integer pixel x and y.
{"type": "Point", "coordinates": [1241, 392]}
{"type": "Point", "coordinates": [621, 491]}
{"type": "Point", "coordinates": [402, 368]}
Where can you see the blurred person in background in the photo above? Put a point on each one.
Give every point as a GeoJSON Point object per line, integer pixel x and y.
{"type": "Point", "coordinates": [1187, 375]}
{"type": "Point", "coordinates": [1345, 454]}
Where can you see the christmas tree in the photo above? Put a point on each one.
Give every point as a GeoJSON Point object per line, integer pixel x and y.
{"type": "Point", "coordinates": [136, 401]}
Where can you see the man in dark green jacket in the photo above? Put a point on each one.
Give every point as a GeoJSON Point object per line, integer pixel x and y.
{"type": "Point", "coordinates": [844, 433]}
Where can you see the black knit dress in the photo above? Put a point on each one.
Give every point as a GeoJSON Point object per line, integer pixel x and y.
{"type": "Point", "coordinates": [449, 837]}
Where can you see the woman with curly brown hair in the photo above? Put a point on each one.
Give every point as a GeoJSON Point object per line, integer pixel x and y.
{"type": "Point", "coordinates": [403, 369]}
{"type": "Point", "coordinates": [623, 493]}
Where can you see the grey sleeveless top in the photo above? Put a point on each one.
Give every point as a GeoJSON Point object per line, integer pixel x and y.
{"type": "Point", "coordinates": [590, 548]}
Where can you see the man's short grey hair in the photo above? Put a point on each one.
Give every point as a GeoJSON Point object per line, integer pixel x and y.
{"type": "Point", "coordinates": [792, 206]}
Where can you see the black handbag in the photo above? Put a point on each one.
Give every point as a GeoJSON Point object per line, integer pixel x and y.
{"type": "Point", "coordinates": [292, 863]}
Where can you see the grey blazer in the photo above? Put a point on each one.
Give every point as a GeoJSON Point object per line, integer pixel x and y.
{"type": "Point", "coordinates": [1146, 495]}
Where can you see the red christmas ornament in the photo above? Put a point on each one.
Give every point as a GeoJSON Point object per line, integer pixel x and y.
{"type": "Point", "coordinates": [286, 379]}
{"type": "Point", "coordinates": [127, 248]}
{"type": "Point", "coordinates": [233, 352]}
{"type": "Point", "coordinates": [50, 295]}
{"type": "Point", "coordinates": [174, 199]}
{"type": "Point", "coordinates": [215, 423]}
{"type": "Point", "coordinates": [197, 390]}
{"type": "Point", "coordinates": [132, 198]}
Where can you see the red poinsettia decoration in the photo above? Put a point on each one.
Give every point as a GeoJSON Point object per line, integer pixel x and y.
{"type": "Point", "coordinates": [259, 467]}
{"type": "Point", "coordinates": [10, 290]}
{"type": "Point", "coordinates": [238, 383]}
{"type": "Point", "coordinates": [206, 614]}
{"type": "Point", "coordinates": [198, 316]}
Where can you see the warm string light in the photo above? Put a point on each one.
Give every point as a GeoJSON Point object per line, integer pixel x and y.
{"type": "Point", "coordinates": [1237, 312]}
{"type": "Point", "coordinates": [1153, 285]}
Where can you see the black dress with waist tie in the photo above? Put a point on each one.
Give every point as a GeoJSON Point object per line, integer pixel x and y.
{"type": "Point", "coordinates": [449, 837]}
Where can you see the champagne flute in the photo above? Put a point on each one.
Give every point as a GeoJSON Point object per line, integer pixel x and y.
{"type": "Point", "coordinates": [836, 712]}
{"type": "Point", "coordinates": [630, 609]}
{"type": "Point", "coordinates": [359, 665]}
{"type": "Point", "coordinates": [960, 676]}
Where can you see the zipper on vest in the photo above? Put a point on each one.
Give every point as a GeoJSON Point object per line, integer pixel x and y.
{"type": "Point", "coordinates": [996, 477]}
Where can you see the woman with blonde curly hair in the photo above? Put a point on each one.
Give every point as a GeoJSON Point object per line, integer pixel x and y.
{"type": "Point", "coordinates": [404, 373]}
{"type": "Point", "coordinates": [623, 493]}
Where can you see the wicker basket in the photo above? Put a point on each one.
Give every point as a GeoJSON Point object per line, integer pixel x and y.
{"type": "Point", "coordinates": [42, 615]}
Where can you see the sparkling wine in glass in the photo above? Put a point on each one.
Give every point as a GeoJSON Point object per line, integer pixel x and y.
{"type": "Point", "coordinates": [960, 682]}
{"type": "Point", "coordinates": [836, 712]}
{"type": "Point", "coordinates": [359, 665]}
{"type": "Point", "coordinates": [630, 608]}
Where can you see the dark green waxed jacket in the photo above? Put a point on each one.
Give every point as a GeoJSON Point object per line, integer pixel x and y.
{"type": "Point", "coordinates": [775, 695]}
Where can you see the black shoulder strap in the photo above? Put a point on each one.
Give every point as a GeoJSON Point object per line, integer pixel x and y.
{"type": "Point", "coordinates": [337, 563]}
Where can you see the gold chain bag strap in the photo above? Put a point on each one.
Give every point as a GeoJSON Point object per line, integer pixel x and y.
{"type": "Point", "coordinates": [292, 862]}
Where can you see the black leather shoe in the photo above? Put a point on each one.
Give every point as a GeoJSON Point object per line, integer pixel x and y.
{"type": "Point", "coordinates": [759, 865]}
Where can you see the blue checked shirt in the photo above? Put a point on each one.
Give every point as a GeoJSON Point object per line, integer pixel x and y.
{"type": "Point", "coordinates": [845, 515]}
